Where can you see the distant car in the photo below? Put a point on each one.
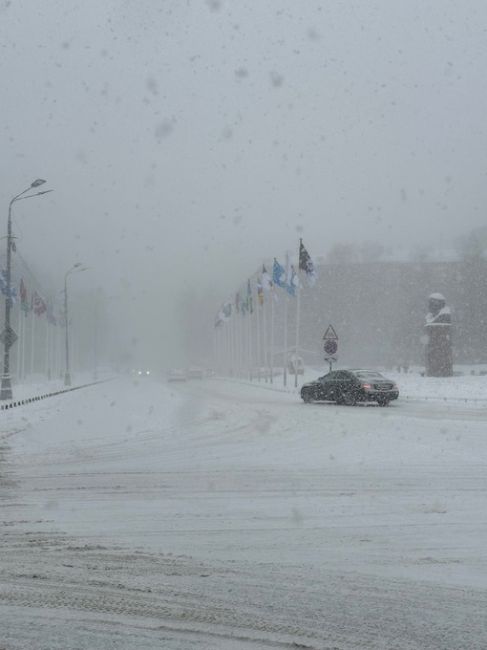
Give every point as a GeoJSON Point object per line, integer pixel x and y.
{"type": "Point", "coordinates": [176, 375]}
{"type": "Point", "coordinates": [195, 373]}
{"type": "Point", "coordinates": [140, 372]}
{"type": "Point", "coordinates": [350, 387]}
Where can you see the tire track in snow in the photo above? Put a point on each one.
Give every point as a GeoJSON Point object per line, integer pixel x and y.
{"type": "Point", "coordinates": [263, 605]}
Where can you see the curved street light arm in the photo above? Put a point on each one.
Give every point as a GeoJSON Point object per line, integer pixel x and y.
{"type": "Point", "coordinates": [34, 184]}
{"type": "Point", "coordinates": [31, 196]}
{"type": "Point", "coordinates": [16, 198]}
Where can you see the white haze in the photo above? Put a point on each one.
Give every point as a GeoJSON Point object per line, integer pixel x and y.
{"type": "Point", "coordinates": [187, 141]}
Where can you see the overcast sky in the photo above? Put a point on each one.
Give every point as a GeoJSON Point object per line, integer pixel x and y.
{"type": "Point", "coordinates": [187, 140]}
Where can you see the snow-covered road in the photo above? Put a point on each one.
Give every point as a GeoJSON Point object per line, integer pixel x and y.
{"type": "Point", "coordinates": [219, 515]}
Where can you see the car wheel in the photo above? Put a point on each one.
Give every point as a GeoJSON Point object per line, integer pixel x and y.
{"type": "Point", "coordinates": [307, 397]}
{"type": "Point", "coordinates": [383, 401]}
{"type": "Point", "coordinates": [348, 399]}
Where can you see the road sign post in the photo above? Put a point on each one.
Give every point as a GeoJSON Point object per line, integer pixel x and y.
{"type": "Point", "coordinates": [330, 346]}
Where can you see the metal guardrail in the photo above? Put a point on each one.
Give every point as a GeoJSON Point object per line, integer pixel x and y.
{"type": "Point", "coordinates": [38, 398]}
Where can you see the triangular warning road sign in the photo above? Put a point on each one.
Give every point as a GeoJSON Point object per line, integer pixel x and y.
{"type": "Point", "coordinates": [330, 334]}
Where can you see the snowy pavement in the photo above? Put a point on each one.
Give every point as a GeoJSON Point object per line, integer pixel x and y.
{"type": "Point", "coordinates": [215, 514]}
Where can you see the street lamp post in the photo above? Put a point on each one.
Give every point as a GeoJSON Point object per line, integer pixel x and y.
{"type": "Point", "coordinates": [8, 336]}
{"type": "Point", "coordinates": [74, 269]}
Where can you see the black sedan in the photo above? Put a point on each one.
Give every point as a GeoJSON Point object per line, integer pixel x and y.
{"type": "Point", "coordinates": [351, 386]}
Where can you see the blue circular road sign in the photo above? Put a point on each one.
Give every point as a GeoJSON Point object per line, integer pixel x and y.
{"type": "Point", "coordinates": [331, 346]}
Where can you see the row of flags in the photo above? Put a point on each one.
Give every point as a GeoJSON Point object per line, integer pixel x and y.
{"type": "Point", "coordinates": [282, 277]}
{"type": "Point", "coordinates": [36, 304]}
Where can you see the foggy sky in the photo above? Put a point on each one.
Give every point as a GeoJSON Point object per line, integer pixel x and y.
{"type": "Point", "coordinates": [188, 140]}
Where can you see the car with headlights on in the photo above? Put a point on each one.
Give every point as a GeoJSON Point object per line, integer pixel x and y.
{"type": "Point", "coordinates": [351, 387]}
{"type": "Point", "coordinates": [140, 372]}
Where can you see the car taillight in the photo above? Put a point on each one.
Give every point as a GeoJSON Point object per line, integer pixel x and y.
{"type": "Point", "coordinates": [367, 386]}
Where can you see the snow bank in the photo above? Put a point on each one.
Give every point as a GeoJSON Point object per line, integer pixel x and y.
{"type": "Point", "coordinates": [412, 386]}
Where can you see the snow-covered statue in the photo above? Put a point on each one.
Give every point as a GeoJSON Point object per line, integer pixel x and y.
{"type": "Point", "coordinates": [438, 337]}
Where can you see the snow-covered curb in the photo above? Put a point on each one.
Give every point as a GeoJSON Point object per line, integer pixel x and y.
{"type": "Point", "coordinates": [38, 398]}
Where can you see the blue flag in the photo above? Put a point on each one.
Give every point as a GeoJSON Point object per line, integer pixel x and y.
{"type": "Point", "coordinates": [279, 275]}
{"type": "Point", "coordinates": [281, 278]}
{"type": "Point", "coordinates": [292, 283]}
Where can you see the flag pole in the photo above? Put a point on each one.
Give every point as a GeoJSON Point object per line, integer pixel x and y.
{"type": "Point", "coordinates": [53, 352]}
{"type": "Point", "coordinates": [218, 350]}
{"type": "Point", "coordinates": [60, 354]}
{"type": "Point", "coordinates": [264, 327]}
{"type": "Point", "coordinates": [257, 334]}
{"type": "Point", "coordinates": [32, 331]}
{"type": "Point", "coordinates": [227, 347]}
{"type": "Point", "coordinates": [48, 369]}
{"type": "Point", "coordinates": [243, 345]}
{"type": "Point", "coordinates": [246, 345]}
{"type": "Point", "coordinates": [284, 376]}
{"type": "Point", "coordinates": [272, 335]}
{"type": "Point", "coordinates": [235, 340]}
{"type": "Point", "coordinates": [230, 347]}
{"type": "Point", "coordinates": [24, 332]}
{"type": "Point", "coordinates": [298, 319]}
{"type": "Point", "coordinates": [240, 345]}
{"type": "Point", "coordinates": [249, 341]}
{"type": "Point", "coordinates": [237, 344]}
{"type": "Point", "coordinates": [221, 336]}
{"type": "Point", "coordinates": [232, 351]}
{"type": "Point", "coordinates": [221, 346]}
{"type": "Point", "coordinates": [19, 343]}
{"type": "Point", "coordinates": [228, 325]}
